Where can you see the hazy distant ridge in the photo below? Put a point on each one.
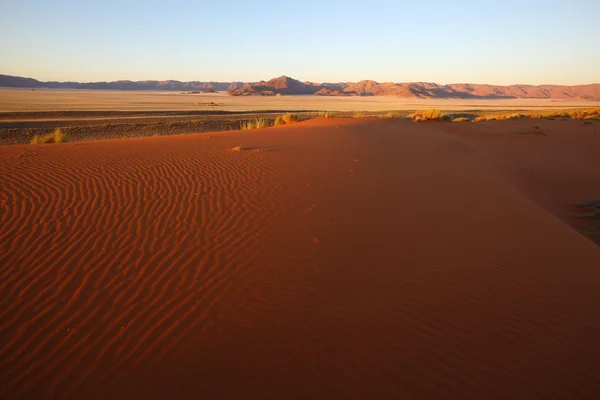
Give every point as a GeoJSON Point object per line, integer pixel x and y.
{"type": "Point", "coordinates": [19, 82]}
{"type": "Point", "coordinates": [286, 86]}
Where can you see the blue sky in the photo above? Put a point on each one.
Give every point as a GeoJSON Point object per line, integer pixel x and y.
{"type": "Point", "coordinates": [497, 42]}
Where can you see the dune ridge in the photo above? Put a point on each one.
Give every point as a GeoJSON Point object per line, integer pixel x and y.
{"type": "Point", "coordinates": [337, 258]}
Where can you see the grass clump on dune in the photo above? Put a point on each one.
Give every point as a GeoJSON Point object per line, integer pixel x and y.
{"type": "Point", "coordinates": [461, 119]}
{"type": "Point", "coordinates": [256, 124]}
{"type": "Point", "coordinates": [484, 118]}
{"type": "Point", "coordinates": [589, 114]}
{"type": "Point", "coordinates": [327, 114]}
{"type": "Point", "coordinates": [585, 114]}
{"type": "Point", "coordinates": [57, 136]}
{"type": "Point", "coordinates": [396, 114]}
{"type": "Point", "coordinates": [286, 119]}
{"type": "Point", "coordinates": [358, 114]}
{"type": "Point", "coordinates": [430, 115]}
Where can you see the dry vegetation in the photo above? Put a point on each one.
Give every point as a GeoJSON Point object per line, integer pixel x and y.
{"type": "Point", "coordinates": [430, 115]}
{"type": "Point", "coordinates": [327, 114]}
{"type": "Point", "coordinates": [396, 115]}
{"type": "Point", "coordinates": [57, 136]}
{"type": "Point", "coordinates": [589, 114]}
{"type": "Point", "coordinates": [39, 128]}
{"type": "Point", "coordinates": [286, 119]}
{"type": "Point", "coordinates": [256, 124]}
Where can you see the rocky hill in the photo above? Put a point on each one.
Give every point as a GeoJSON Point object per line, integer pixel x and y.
{"type": "Point", "coordinates": [285, 85]}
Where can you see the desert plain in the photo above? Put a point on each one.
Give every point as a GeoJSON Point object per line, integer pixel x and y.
{"type": "Point", "coordinates": [329, 258]}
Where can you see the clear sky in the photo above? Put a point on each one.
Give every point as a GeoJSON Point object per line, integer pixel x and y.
{"type": "Point", "coordinates": [485, 41]}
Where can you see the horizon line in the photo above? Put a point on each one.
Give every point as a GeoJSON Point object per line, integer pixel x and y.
{"type": "Point", "coordinates": [288, 76]}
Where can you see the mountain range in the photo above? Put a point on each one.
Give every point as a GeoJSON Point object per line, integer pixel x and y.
{"type": "Point", "coordinates": [288, 86]}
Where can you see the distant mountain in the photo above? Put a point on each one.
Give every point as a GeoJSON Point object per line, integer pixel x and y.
{"type": "Point", "coordinates": [16, 81]}
{"type": "Point", "coordinates": [424, 90]}
{"type": "Point", "coordinates": [281, 85]}
{"type": "Point", "coordinates": [285, 85]}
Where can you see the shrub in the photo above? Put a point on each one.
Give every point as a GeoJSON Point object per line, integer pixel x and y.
{"type": "Point", "coordinates": [461, 119]}
{"type": "Point", "coordinates": [286, 119]}
{"type": "Point", "coordinates": [256, 124]}
{"type": "Point", "coordinates": [358, 114]}
{"type": "Point", "coordinates": [430, 115]}
{"type": "Point", "coordinates": [393, 114]}
{"type": "Point", "coordinates": [57, 136]}
{"type": "Point", "coordinates": [327, 114]}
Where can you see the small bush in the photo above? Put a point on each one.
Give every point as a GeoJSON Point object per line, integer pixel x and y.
{"type": "Point", "coordinates": [430, 115]}
{"type": "Point", "coordinates": [57, 136]}
{"type": "Point", "coordinates": [286, 119]}
{"type": "Point", "coordinates": [327, 114]}
{"type": "Point", "coordinates": [256, 124]}
{"type": "Point", "coordinates": [461, 119]}
{"type": "Point", "coordinates": [585, 114]}
{"type": "Point", "coordinates": [358, 114]}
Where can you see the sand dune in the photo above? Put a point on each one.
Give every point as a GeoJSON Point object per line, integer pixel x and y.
{"type": "Point", "coordinates": [334, 258]}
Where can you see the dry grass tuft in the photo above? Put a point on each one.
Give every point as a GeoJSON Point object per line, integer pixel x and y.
{"type": "Point", "coordinates": [359, 114]}
{"type": "Point", "coordinates": [395, 115]}
{"type": "Point", "coordinates": [430, 115]}
{"type": "Point", "coordinates": [461, 119]}
{"type": "Point", "coordinates": [585, 114]}
{"type": "Point", "coordinates": [286, 119]}
{"type": "Point", "coordinates": [57, 136]}
{"type": "Point", "coordinates": [256, 124]}
{"type": "Point", "coordinates": [551, 115]}
{"type": "Point", "coordinates": [482, 118]}
{"type": "Point", "coordinates": [328, 114]}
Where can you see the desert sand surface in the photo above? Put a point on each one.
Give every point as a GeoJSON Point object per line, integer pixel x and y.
{"type": "Point", "coordinates": [332, 258]}
{"type": "Point", "coordinates": [21, 100]}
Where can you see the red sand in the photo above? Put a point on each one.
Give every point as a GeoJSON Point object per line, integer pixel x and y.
{"type": "Point", "coordinates": [337, 259]}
